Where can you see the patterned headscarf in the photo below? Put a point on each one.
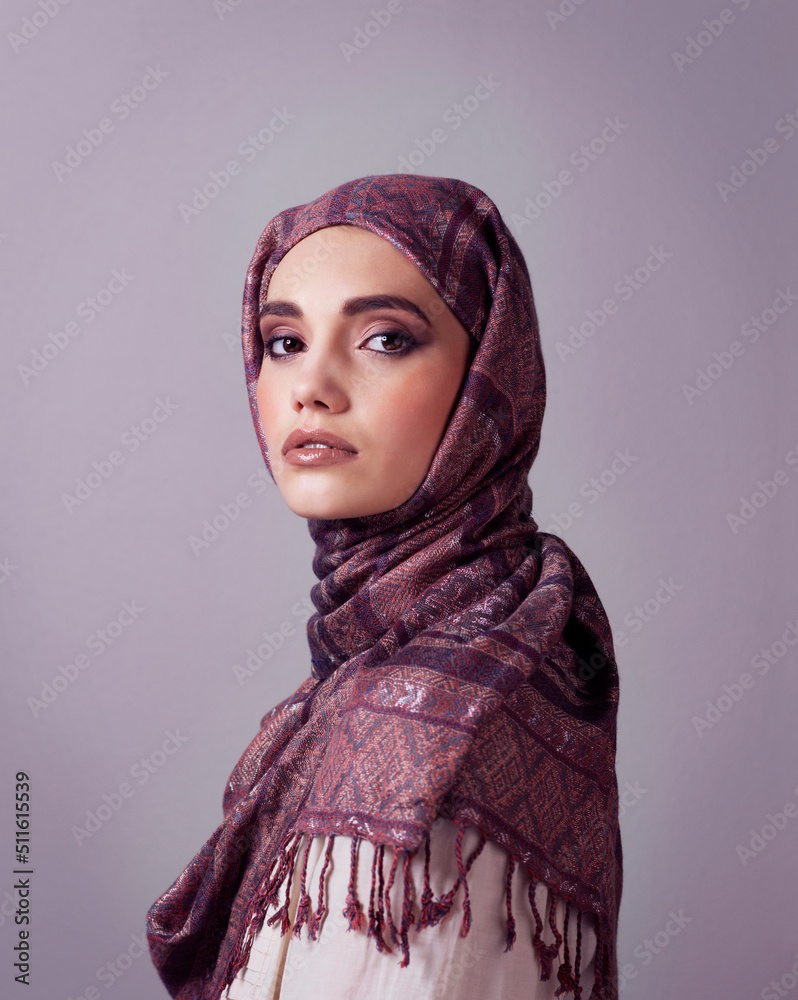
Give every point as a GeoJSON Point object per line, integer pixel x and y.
{"type": "Point", "coordinates": [462, 663]}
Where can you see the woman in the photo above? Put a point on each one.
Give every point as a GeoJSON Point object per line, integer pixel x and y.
{"type": "Point", "coordinates": [460, 714]}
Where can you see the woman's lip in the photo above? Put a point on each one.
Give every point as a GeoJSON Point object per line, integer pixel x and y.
{"type": "Point", "coordinates": [312, 457]}
{"type": "Point", "coordinates": [297, 438]}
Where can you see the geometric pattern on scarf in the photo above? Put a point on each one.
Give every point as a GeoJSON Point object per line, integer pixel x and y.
{"type": "Point", "coordinates": [461, 661]}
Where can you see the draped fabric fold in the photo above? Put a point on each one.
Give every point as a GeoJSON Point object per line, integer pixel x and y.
{"type": "Point", "coordinates": [461, 660]}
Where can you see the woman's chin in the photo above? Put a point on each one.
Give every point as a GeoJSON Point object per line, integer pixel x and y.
{"type": "Point", "coordinates": [331, 511]}
{"type": "Point", "coordinates": [337, 493]}
{"type": "Point", "coordinates": [335, 508]}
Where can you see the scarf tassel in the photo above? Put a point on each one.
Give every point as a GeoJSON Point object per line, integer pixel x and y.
{"type": "Point", "coordinates": [508, 888]}
{"type": "Point", "coordinates": [263, 899]}
{"type": "Point", "coordinates": [602, 986]}
{"type": "Point", "coordinates": [565, 974]}
{"type": "Point", "coordinates": [353, 910]}
{"type": "Point", "coordinates": [377, 912]}
{"type": "Point", "coordinates": [427, 917]}
{"type": "Point", "coordinates": [432, 911]}
{"type": "Point", "coordinates": [568, 976]}
{"type": "Point", "coordinates": [315, 921]}
{"type": "Point", "coordinates": [303, 910]}
{"type": "Point", "coordinates": [270, 890]}
{"type": "Point", "coordinates": [545, 952]}
{"type": "Point", "coordinates": [407, 909]}
{"type": "Point", "coordinates": [273, 895]}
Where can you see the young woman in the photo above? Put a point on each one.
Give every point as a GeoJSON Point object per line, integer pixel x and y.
{"type": "Point", "coordinates": [453, 748]}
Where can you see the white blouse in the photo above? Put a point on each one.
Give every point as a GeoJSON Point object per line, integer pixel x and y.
{"type": "Point", "coordinates": [343, 964]}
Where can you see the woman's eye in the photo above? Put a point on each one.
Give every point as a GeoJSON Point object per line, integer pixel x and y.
{"type": "Point", "coordinates": [395, 341]}
{"type": "Point", "coordinates": [383, 342]}
{"type": "Point", "coordinates": [287, 343]}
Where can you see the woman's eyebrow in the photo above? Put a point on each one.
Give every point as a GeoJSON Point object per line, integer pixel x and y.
{"type": "Point", "coordinates": [364, 303]}
{"type": "Point", "coordinates": [351, 307]}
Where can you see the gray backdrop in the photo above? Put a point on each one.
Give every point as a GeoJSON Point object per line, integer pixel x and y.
{"type": "Point", "coordinates": [643, 155]}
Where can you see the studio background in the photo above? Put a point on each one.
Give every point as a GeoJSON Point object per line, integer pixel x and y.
{"type": "Point", "coordinates": [151, 616]}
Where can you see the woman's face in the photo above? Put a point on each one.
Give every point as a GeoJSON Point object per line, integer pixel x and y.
{"type": "Point", "coordinates": [357, 343]}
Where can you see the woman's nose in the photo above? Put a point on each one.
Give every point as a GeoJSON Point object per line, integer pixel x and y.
{"type": "Point", "coordinates": [320, 381]}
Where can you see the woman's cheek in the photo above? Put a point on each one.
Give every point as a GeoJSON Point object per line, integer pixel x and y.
{"type": "Point", "coordinates": [409, 412]}
{"type": "Point", "coordinates": [268, 421]}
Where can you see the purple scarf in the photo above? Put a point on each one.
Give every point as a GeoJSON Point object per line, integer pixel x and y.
{"type": "Point", "coordinates": [462, 662]}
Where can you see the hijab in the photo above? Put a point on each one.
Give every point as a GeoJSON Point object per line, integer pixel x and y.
{"type": "Point", "coordinates": [462, 663]}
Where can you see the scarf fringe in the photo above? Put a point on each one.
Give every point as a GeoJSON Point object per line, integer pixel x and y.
{"type": "Point", "coordinates": [432, 911]}
{"type": "Point", "coordinates": [303, 909]}
{"type": "Point", "coordinates": [353, 911]}
{"type": "Point", "coordinates": [377, 914]}
{"type": "Point", "coordinates": [315, 921]}
{"type": "Point", "coordinates": [257, 910]}
{"type": "Point", "coordinates": [508, 889]}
